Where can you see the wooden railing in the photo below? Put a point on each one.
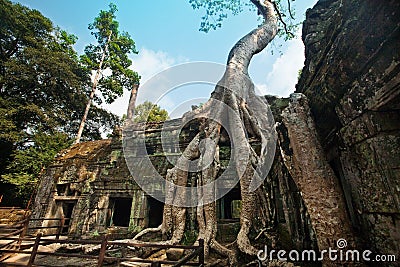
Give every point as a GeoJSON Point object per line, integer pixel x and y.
{"type": "Point", "coordinates": [198, 251]}
{"type": "Point", "coordinates": [16, 233]}
{"type": "Point", "coordinates": [60, 227]}
{"type": "Point", "coordinates": [22, 227]}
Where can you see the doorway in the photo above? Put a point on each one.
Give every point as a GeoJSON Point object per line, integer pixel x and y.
{"type": "Point", "coordinates": [120, 211]}
{"type": "Point", "coordinates": [229, 206]}
{"type": "Point", "coordinates": [67, 208]}
{"type": "Point", "coordinates": [155, 212]}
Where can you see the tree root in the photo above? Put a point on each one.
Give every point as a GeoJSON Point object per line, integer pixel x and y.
{"type": "Point", "coordinates": [147, 231]}
{"type": "Point", "coordinates": [234, 90]}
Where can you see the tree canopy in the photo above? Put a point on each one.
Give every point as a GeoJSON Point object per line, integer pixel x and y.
{"type": "Point", "coordinates": [105, 28]}
{"type": "Point", "coordinates": [43, 91]}
{"type": "Point", "coordinates": [149, 112]}
{"type": "Point", "coordinates": [109, 60]}
{"type": "Point", "coordinates": [216, 11]}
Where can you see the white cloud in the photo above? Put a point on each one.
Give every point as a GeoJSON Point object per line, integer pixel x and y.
{"type": "Point", "coordinates": [282, 79]}
{"type": "Point", "coordinates": [147, 63]}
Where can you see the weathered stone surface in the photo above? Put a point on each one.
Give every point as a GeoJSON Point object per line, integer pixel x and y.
{"type": "Point", "coordinates": [350, 140]}
{"type": "Point", "coordinates": [352, 80]}
{"type": "Point", "coordinates": [93, 175]}
{"type": "Point", "coordinates": [79, 185]}
{"type": "Point", "coordinates": [348, 43]}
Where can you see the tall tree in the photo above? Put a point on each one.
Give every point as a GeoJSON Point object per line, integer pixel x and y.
{"type": "Point", "coordinates": [42, 90]}
{"type": "Point", "coordinates": [109, 60]}
{"type": "Point", "coordinates": [236, 91]}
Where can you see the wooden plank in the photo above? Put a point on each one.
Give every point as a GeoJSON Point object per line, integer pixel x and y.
{"type": "Point", "coordinates": [201, 255]}
{"type": "Point", "coordinates": [102, 251]}
{"type": "Point", "coordinates": [34, 250]}
{"type": "Point", "coordinates": [199, 251]}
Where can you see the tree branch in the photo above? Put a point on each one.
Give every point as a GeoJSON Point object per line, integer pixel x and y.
{"type": "Point", "coordinates": [290, 9]}
{"type": "Point", "coordinates": [262, 8]}
{"type": "Point", "coordinates": [281, 18]}
{"type": "Point", "coordinates": [258, 4]}
{"type": "Point", "coordinates": [265, 11]}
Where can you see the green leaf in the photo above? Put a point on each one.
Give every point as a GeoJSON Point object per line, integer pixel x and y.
{"type": "Point", "coordinates": [149, 112]}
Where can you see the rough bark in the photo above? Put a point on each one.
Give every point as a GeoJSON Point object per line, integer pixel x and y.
{"type": "Point", "coordinates": [234, 90]}
{"type": "Point", "coordinates": [315, 178]}
{"type": "Point", "coordinates": [92, 93]}
{"type": "Point", "coordinates": [132, 102]}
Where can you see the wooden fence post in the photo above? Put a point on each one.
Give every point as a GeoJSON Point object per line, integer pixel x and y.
{"type": "Point", "coordinates": [103, 249]}
{"type": "Point", "coordinates": [201, 255]}
{"type": "Point", "coordinates": [34, 250]}
{"type": "Point", "coordinates": [60, 229]}
{"type": "Point", "coordinates": [24, 230]}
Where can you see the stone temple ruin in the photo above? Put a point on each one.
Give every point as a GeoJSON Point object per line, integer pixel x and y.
{"type": "Point", "coordinates": [90, 183]}
{"type": "Point", "coordinates": [343, 125]}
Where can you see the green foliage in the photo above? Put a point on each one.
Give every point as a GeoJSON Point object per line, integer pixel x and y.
{"type": "Point", "coordinates": [134, 229]}
{"type": "Point", "coordinates": [95, 234]}
{"type": "Point", "coordinates": [110, 54]}
{"type": "Point", "coordinates": [36, 154]}
{"type": "Point", "coordinates": [43, 91]}
{"type": "Point", "coordinates": [149, 112]}
{"type": "Point", "coordinates": [189, 237]}
{"type": "Point", "coordinates": [218, 10]}
{"type": "Point", "coordinates": [299, 73]}
{"type": "Point", "coordinates": [42, 84]}
{"type": "Point", "coordinates": [28, 162]}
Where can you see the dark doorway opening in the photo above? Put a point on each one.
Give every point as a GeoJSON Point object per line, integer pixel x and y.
{"type": "Point", "coordinates": [230, 205]}
{"type": "Point", "coordinates": [68, 208]}
{"type": "Point", "coordinates": [121, 211]}
{"type": "Point", "coordinates": [155, 212]}
{"type": "Point", "coordinates": [61, 189]}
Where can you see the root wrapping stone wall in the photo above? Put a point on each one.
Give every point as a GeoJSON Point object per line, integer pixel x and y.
{"type": "Point", "coordinates": [352, 81]}
{"type": "Point", "coordinates": [338, 160]}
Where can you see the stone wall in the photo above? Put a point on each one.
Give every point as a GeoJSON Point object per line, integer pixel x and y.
{"type": "Point", "coordinates": [86, 181]}
{"type": "Point", "coordinates": [352, 80]}
{"type": "Point", "coordinates": [345, 137]}
{"type": "Point", "coordinates": [81, 182]}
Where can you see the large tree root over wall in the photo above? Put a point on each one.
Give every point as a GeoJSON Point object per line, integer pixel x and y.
{"type": "Point", "coordinates": [234, 92]}
{"type": "Point", "coordinates": [246, 117]}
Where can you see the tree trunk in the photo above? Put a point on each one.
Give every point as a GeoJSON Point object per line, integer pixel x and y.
{"type": "Point", "coordinates": [132, 103]}
{"type": "Point", "coordinates": [234, 91]}
{"type": "Point", "coordinates": [247, 116]}
{"type": "Point", "coordinates": [85, 114]}
{"type": "Point", "coordinates": [92, 93]}
{"type": "Point", "coordinates": [316, 180]}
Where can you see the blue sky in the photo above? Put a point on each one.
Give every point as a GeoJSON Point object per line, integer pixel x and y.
{"type": "Point", "coordinates": [166, 33]}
